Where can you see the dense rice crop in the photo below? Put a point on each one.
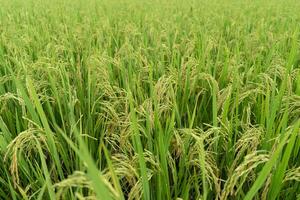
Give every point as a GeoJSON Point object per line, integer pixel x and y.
{"type": "Point", "coordinates": [149, 99]}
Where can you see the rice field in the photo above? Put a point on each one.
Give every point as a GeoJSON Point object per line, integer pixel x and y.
{"type": "Point", "coordinates": [152, 100]}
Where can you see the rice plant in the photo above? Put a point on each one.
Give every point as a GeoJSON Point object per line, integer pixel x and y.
{"type": "Point", "coordinates": [162, 100]}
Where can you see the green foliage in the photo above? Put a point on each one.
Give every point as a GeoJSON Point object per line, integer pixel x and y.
{"type": "Point", "coordinates": [141, 99]}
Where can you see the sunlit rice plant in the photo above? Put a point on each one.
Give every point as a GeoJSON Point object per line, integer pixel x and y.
{"type": "Point", "coordinates": [147, 100]}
